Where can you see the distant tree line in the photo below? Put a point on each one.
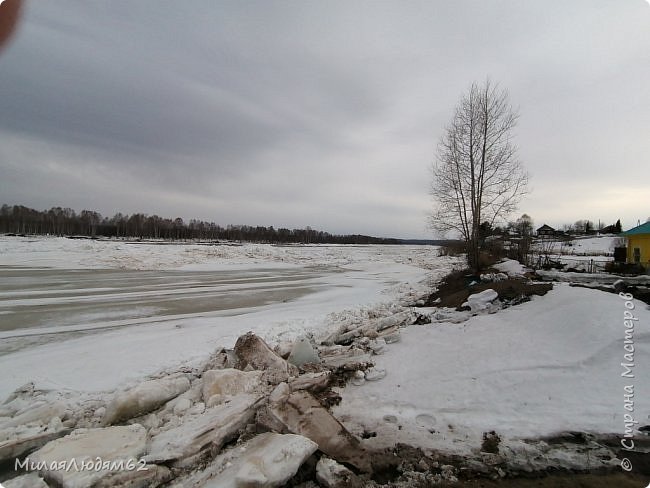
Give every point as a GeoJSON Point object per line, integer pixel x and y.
{"type": "Point", "coordinates": [515, 238]}
{"type": "Point", "coordinates": [523, 226]}
{"type": "Point", "coordinates": [18, 219]}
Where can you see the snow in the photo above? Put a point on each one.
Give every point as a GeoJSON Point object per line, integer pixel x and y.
{"type": "Point", "coordinates": [592, 278]}
{"type": "Point", "coordinates": [511, 267]}
{"type": "Point", "coordinates": [599, 245]}
{"type": "Point", "coordinates": [101, 353]}
{"type": "Point", "coordinates": [481, 301]}
{"type": "Point", "coordinates": [63, 253]}
{"type": "Point", "coordinates": [535, 369]}
{"type": "Point", "coordinates": [583, 246]}
{"type": "Point", "coordinates": [331, 474]}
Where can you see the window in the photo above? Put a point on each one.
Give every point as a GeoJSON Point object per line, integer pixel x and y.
{"type": "Point", "coordinates": [637, 254]}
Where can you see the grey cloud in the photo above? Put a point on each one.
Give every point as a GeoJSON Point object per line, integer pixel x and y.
{"type": "Point", "coordinates": [323, 114]}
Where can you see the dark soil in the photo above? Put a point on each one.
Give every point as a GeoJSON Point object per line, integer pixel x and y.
{"type": "Point", "coordinates": [641, 293]}
{"type": "Point", "coordinates": [457, 286]}
{"type": "Point", "coordinates": [615, 480]}
{"type": "Point", "coordinates": [391, 465]}
{"type": "Point", "coordinates": [491, 441]}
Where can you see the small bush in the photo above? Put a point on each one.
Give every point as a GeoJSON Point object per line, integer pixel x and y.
{"type": "Point", "coordinates": [486, 259]}
{"type": "Point", "coordinates": [452, 249]}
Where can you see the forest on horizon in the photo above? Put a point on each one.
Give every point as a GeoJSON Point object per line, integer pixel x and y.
{"type": "Point", "coordinates": [18, 219]}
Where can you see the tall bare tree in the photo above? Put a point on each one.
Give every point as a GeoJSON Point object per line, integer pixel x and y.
{"type": "Point", "coordinates": [477, 176]}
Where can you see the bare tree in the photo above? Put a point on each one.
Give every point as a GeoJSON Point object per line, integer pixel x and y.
{"type": "Point", "coordinates": [524, 226]}
{"type": "Point", "coordinates": [477, 176]}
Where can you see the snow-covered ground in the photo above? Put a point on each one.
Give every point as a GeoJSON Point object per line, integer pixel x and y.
{"type": "Point", "coordinates": [590, 254]}
{"type": "Point", "coordinates": [65, 253]}
{"type": "Point", "coordinates": [341, 284]}
{"type": "Point", "coordinates": [536, 369]}
{"type": "Point", "coordinates": [582, 246]}
{"type": "Point", "coordinates": [596, 246]}
{"type": "Point", "coordinates": [599, 245]}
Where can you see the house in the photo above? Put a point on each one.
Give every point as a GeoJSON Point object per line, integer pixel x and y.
{"type": "Point", "coordinates": [638, 245]}
{"type": "Point", "coordinates": [610, 229]}
{"type": "Point", "coordinates": [545, 230]}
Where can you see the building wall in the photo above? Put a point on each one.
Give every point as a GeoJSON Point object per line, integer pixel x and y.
{"type": "Point", "coordinates": [642, 241]}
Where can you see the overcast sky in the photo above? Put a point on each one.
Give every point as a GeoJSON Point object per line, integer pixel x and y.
{"type": "Point", "coordinates": [323, 114]}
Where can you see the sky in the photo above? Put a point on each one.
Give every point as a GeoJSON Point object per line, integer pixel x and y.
{"type": "Point", "coordinates": [321, 114]}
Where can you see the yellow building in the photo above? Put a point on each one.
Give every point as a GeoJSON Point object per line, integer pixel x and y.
{"type": "Point", "coordinates": [638, 245]}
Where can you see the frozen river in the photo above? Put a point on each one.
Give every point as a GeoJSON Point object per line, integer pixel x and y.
{"type": "Point", "coordinates": [39, 305]}
{"type": "Point", "coordinates": [90, 315]}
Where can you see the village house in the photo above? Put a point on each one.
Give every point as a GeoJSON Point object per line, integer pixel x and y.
{"type": "Point", "coordinates": [545, 231]}
{"type": "Point", "coordinates": [638, 245]}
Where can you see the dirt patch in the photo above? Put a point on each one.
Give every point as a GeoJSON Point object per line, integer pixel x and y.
{"type": "Point", "coordinates": [407, 466]}
{"type": "Point", "coordinates": [491, 441]}
{"type": "Point", "coordinates": [641, 293]}
{"type": "Point", "coordinates": [390, 464]}
{"type": "Point", "coordinates": [618, 480]}
{"type": "Point", "coordinates": [456, 287]}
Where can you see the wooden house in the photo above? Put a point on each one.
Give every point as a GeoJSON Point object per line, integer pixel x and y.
{"type": "Point", "coordinates": [638, 245]}
{"type": "Point", "coordinates": [546, 231]}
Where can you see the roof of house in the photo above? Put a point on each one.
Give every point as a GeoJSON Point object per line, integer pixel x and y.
{"type": "Point", "coordinates": [639, 229]}
{"type": "Point", "coordinates": [545, 227]}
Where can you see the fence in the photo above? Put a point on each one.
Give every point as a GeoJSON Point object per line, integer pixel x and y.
{"type": "Point", "coordinates": [589, 265]}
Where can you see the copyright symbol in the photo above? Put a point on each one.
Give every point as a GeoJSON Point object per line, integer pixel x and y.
{"type": "Point", "coordinates": [626, 464]}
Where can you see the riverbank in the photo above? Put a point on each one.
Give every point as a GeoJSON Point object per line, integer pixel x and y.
{"type": "Point", "coordinates": [498, 389]}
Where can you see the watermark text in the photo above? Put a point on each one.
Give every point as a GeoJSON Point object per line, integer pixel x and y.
{"type": "Point", "coordinates": [629, 422]}
{"type": "Point", "coordinates": [84, 464]}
